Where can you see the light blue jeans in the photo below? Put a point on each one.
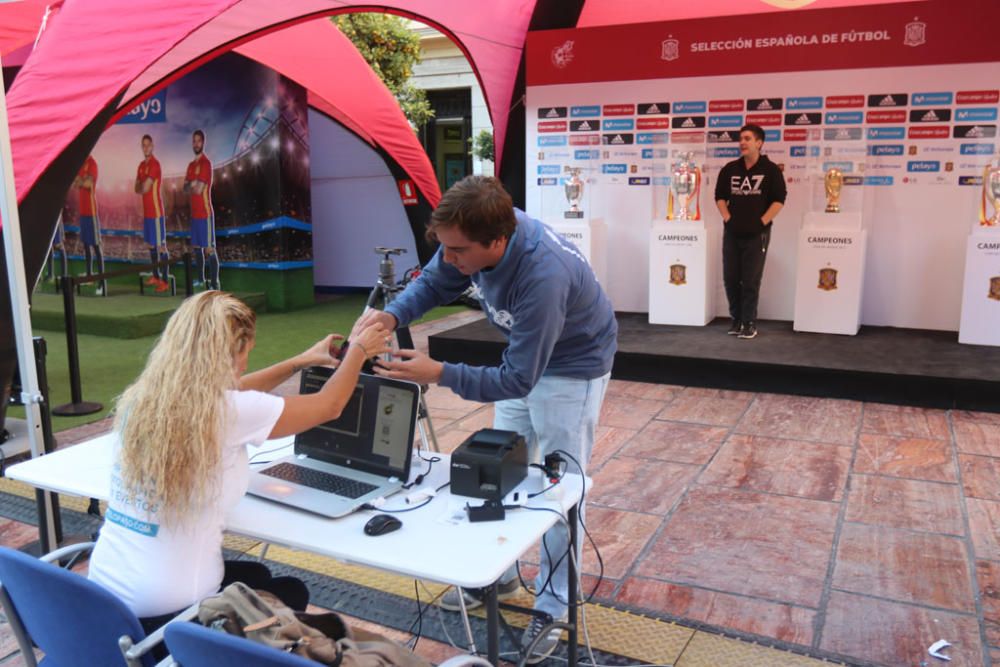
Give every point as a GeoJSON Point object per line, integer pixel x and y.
{"type": "Point", "coordinates": [559, 413]}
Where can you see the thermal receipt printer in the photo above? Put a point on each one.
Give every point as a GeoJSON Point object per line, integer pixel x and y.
{"type": "Point", "coordinates": [489, 464]}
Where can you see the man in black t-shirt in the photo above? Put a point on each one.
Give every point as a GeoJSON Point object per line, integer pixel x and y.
{"type": "Point", "coordinates": [750, 192]}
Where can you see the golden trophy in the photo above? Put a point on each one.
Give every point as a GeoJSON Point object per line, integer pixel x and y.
{"type": "Point", "coordinates": [833, 183]}
{"type": "Point", "coordinates": [991, 194]}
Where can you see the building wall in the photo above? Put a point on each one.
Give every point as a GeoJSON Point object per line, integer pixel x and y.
{"type": "Point", "coordinates": [444, 67]}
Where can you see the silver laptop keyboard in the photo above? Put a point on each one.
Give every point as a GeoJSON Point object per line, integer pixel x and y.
{"type": "Point", "coordinates": [317, 479]}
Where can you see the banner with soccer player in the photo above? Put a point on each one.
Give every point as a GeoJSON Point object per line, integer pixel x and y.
{"type": "Point", "coordinates": [216, 164]}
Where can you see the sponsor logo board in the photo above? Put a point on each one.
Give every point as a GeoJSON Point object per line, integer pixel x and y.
{"type": "Point", "coordinates": [725, 105]}
{"type": "Point", "coordinates": [977, 97]}
{"type": "Point", "coordinates": [975, 131]}
{"type": "Point", "coordinates": [619, 109]}
{"type": "Point", "coordinates": [551, 112]}
{"type": "Point", "coordinates": [930, 99]}
{"type": "Point", "coordinates": [652, 124]}
{"type": "Point", "coordinates": [876, 133]}
{"type": "Point", "coordinates": [690, 107]}
{"type": "Point", "coordinates": [765, 104]}
{"type": "Point", "coordinates": [845, 101]}
{"type": "Point", "coordinates": [888, 100]}
{"type": "Point", "coordinates": [585, 111]}
{"type": "Point", "coordinates": [928, 132]}
{"type": "Point", "coordinates": [844, 117]}
{"type": "Point", "coordinates": [653, 108]}
{"type": "Point", "coordinates": [552, 126]}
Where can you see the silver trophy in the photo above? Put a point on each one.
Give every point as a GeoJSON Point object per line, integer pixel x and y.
{"type": "Point", "coordinates": [684, 183]}
{"type": "Point", "coordinates": [574, 192]}
{"type": "Point", "coordinates": [991, 193]}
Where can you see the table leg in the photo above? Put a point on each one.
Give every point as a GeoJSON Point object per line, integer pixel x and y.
{"type": "Point", "coordinates": [492, 624]}
{"type": "Point", "coordinates": [571, 573]}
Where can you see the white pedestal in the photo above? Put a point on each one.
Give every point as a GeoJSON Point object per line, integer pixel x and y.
{"type": "Point", "coordinates": [980, 324]}
{"type": "Point", "coordinates": [683, 273]}
{"type": "Point", "coordinates": [830, 275]}
{"type": "Point", "coordinates": [590, 238]}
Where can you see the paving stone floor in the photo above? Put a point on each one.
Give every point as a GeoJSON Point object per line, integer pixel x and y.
{"type": "Point", "coordinates": [863, 530]}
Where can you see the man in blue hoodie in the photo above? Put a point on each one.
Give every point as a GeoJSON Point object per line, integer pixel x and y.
{"type": "Point", "coordinates": [542, 295]}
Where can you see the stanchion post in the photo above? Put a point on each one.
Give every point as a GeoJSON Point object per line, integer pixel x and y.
{"type": "Point", "coordinates": [45, 499]}
{"type": "Point", "coordinates": [76, 406]}
{"type": "Point", "coordinates": [188, 278]}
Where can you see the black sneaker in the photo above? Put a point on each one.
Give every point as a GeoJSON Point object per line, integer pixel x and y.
{"type": "Point", "coordinates": [749, 330]}
{"type": "Point", "coordinates": [735, 328]}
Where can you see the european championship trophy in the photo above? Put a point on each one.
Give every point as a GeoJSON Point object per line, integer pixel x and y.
{"type": "Point", "coordinates": [991, 193]}
{"type": "Point", "coordinates": [833, 183]}
{"type": "Point", "coordinates": [685, 183]}
{"type": "Point", "coordinates": [574, 192]}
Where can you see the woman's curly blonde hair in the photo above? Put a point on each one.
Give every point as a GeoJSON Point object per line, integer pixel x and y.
{"type": "Point", "coordinates": [170, 419]}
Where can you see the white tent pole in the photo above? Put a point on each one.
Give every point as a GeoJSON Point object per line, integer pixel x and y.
{"type": "Point", "coordinates": [31, 397]}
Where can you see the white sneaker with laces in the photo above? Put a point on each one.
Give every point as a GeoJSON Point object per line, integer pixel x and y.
{"type": "Point", "coordinates": [545, 645]}
{"type": "Point", "coordinates": [450, 602]}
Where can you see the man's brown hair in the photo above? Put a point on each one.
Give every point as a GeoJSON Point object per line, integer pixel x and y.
{"type": "Point", "coordinates": [479, 206]}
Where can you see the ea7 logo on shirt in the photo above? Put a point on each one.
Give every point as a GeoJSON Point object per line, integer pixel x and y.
{"type": "Point", "coordinates": [745, 185]}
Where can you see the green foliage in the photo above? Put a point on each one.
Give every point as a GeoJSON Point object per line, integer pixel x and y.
{"type": "Point", "coordinates": [391, 49]}
{"type": "Point", "coordinates": [482, 146]}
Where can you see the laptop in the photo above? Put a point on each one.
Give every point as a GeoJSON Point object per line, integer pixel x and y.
{"type": "Point", "coordinates": [339, 466]}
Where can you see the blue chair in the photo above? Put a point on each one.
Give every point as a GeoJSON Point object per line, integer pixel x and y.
{"type": "Point", "coordinates": [75, 622]}
{"type": "Point", "coordinates": [193, 645]}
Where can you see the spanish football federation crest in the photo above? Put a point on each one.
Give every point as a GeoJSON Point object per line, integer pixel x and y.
{"type": "Point", "coordinates": [994, 288]}
{"type": "Point", "coordinates": [827, 279]}
{"type": "Point", "coordinates": [563, 55]}
{"type": "Point", "coordinates": [670, 49]}
{"type": "Point", "coordinates": [916, 33]}
{"type": "Point", "coordinates": [678, 274]}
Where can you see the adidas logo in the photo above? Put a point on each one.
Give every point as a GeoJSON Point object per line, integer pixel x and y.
{"type": "Point", "coordinates": [688, 123]}
{"type": "Point", "coordinates": [653, 108]}
{"type": "Point", "coordinates": [618, 139]}
{"type": "Point", "coordinates": [975, 132]}
{"type": "Point", "coordinates": [803, 120]}
{"type": "Point", "coordinates": [887, 101]}
{"type": "Point", "coordinates": [764, 106]}
{"type": "Point", "coordinates": [585, 125]}
{"type": "Point", "coordinates": [842, 133]}
{"type": "Point", "coordinates": [929, 116]}
{"type": "Point", "coordinates": [552, 114]}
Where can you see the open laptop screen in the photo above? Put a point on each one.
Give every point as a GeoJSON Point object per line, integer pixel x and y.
{"type": "Point", "coordinates": [374, 432]}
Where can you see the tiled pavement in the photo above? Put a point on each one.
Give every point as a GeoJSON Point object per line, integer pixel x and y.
{"type": "Point", "coordinates": [863, 530]}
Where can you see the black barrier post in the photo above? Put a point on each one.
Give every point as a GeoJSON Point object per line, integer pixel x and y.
{"type": "Point", "coordinates": [188, 278]}
{"type": "Point", "coordinates": [49, 445]}
{"type": "Point", "coordinates": [77, 406]}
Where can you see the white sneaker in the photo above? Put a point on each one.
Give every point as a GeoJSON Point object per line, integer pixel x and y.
{"type": "Point", "coordinates": [450, 601]}
{"type": "Point", "coordinates": [546, 645]}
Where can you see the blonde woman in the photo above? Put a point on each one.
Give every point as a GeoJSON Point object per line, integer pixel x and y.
{"type": "Point", "coordinates": [181, 461]}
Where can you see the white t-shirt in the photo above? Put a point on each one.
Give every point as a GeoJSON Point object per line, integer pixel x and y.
{"type": "Point", "coordinates": [157, 569]}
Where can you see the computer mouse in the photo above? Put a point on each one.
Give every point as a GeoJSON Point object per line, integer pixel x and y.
{"type": "Point", "coordinates": [380, 524]}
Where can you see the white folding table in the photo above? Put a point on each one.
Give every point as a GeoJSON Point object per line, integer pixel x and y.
{"type": "Point", "coordinates": [434, 543]}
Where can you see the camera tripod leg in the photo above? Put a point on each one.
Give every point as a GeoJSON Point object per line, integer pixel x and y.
{"type": "Point", "coordinates": [425, 426]}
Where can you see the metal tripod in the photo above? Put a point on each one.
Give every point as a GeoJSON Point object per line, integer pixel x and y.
{"type": "Point", "coordinates": [385, 291]}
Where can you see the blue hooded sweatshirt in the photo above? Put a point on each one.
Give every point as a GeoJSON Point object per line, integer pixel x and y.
{"type": "Point", "coordinates": [542, 296]}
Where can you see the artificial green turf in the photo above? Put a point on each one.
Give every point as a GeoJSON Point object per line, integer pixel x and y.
{"type": "Point", "coordinates": [126, 314]}
{"type": "Point", "coordinates": [108, 365]}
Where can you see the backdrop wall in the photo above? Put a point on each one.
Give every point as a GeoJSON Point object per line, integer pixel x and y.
{"type": "Point", "coordinates": [913, 140]}
{"type": "Point", "coordinates": [355, 207]}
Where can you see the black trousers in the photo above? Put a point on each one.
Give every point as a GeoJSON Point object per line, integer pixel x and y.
{"type": "Point", "coordinates": [289, 590]}
{"type": "Point", "coordinates": [742, 269]}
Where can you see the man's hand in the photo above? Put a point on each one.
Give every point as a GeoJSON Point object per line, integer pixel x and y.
{"type": "Point", "coordinates": [415, 367]}
{"type": "Point", "coordinates": [373, 316]}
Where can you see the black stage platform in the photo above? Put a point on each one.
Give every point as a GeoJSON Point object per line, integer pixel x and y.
{"type": "Point", "coordinates": [882, 364]}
